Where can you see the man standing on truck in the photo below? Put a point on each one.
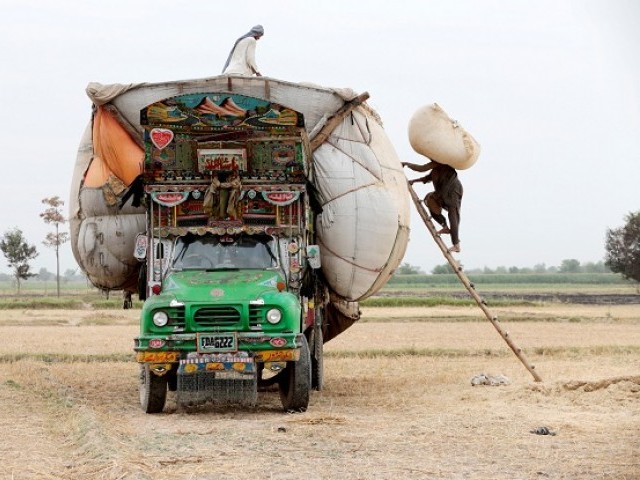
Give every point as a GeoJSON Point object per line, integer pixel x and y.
{"type": "Point", "coordinates": [447, 195]}
{"type": "Point", "coordinates": [242, 58]}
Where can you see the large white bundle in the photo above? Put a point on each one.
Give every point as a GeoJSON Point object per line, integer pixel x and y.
{"type": "Point", "coordinates": [364, 226]}
{"type": "Point", "coordinates": [433, 134]}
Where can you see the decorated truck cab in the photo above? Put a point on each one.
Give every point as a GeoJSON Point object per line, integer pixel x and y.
{"type": "Point", "coordinates": [229, 253]}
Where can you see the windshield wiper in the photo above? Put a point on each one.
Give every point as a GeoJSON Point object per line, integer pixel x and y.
{"type": "Point", "coordinates": [179, 257]}
{"type": "Point", "coordinates": [270, 252]}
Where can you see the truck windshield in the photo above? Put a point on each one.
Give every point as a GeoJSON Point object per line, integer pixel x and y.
{"type": "Point", "coordinates": [210, 252]}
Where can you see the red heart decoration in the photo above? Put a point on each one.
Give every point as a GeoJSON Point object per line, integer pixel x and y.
{"type": "Point", "coordinates": [161, 137]}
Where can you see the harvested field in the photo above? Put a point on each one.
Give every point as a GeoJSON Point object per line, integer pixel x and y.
{"type": "Point", "coordinates": [397, 403]}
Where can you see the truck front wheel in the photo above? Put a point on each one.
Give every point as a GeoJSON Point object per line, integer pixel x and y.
{"type": "Point", "coordinates": [295, 381]}
{"type": "Point", "coordinates": [153, 390]}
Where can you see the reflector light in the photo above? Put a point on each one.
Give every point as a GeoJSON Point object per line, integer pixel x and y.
{"type": "Point", "coordinates": [281, 286]}
{"type": "Point", "coordinates": [156, 289]}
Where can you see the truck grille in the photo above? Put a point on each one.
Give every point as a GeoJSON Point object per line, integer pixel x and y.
{"type": "Point", "coordinates": [222, 316]}
{"type": "Point", "coordinates": [176, 316]}
{"type": "Point", "coordinates": [256, 315]}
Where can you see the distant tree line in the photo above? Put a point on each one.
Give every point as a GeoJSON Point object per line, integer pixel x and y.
{"type": "Point", "coordinates": [570, 265]}
{"type": "Point", "coordinates": [512, 278]}
{"type": "Point", "coordinates": [69, 276]}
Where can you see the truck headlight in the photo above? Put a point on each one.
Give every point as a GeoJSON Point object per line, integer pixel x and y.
{"type": "Point", "coordinates": [160, 319]}
{"type": "Point", "coordinates": [274, 316]}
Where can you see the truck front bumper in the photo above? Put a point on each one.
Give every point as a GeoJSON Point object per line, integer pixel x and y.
{"type": "Point", "coordinates": [259, 346]}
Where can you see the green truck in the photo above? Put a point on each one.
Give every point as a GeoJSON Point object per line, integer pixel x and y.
{"type": "Point", "coordinates": [212, 200]}
{"type": "Point", "coordinates": [229, 260]}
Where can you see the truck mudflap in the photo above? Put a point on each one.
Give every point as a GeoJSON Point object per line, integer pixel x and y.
{"type": "Point", "coordinates": [220, 379]}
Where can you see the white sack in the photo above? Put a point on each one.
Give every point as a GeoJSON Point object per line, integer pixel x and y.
{"type": "Point", "coordinates": [433, 134]}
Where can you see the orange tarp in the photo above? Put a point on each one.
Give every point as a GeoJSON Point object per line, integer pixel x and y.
{"type": "Point", "coordinates": [115, 152]}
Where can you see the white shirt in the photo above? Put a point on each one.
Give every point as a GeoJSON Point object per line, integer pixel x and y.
{"type": "Point", "coordinates": [243, 58]}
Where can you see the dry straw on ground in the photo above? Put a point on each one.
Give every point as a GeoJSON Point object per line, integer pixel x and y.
{"type": "Point", "coordinates": [388, 411]}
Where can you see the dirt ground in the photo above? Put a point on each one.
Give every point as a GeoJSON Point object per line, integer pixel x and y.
{"type": "Point", "coordinates": [397, 403]}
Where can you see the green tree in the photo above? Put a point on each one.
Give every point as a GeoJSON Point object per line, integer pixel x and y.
{"type": "Point", "coordinates": [594, 267]}
{"type": "Point", "coordinates": [408, 269]}
{"type": "Point", "coordinates": [442, 269]}
{"type": "Point", "coordinates": [44, 274]}
{"type": "Point", "coordinates": [539, 268]}
{"type": "Point", "coordinates": [53, 215]}
{"type": "Point", "coordinates": [18, 253]}
{"type": "Point", "coordinates": [622, 247]}
{"type": "Point", "coordinates": [569, 265]}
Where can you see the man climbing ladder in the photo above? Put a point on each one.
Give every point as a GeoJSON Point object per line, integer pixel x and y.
{"type": "Point", "coordinates": [446, 195]}
{"type": "Point", "coordinates": [457, 268]}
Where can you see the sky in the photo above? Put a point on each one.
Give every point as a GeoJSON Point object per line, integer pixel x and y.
{"type": "Point", "coordinates": [549, 88]}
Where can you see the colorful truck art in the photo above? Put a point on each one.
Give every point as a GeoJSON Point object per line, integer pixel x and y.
{"type": "Point", "coordinates": [219, 110]}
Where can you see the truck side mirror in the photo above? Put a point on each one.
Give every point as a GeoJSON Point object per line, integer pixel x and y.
{"type": "Point", "coordinates": [313, 256]}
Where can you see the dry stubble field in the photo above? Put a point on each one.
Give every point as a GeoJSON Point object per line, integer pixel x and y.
{"type": "Point", "coordinates": [397, 403]}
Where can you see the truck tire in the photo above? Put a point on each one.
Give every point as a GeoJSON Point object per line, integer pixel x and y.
{"type": "Point", "coordinates": [152, 389]}
{"type": "Point", "coordinates": [317, 358]}
{"type": "Point", "coordinates": [295, 381]}
{"type": "Point", "coordinates": [172, 380]}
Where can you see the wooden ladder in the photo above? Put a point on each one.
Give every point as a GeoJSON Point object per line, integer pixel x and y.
{"type": "Point", "coordinates": [457, 268]}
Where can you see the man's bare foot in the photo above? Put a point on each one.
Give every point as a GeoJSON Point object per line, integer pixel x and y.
{"type": "Point", "coordinates": [455, 248]}
{"type": "Point", "coordinates": [444, 230]}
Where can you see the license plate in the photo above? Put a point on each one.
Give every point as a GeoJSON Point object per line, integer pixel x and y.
{"type": "Point", "coordinates": [217, 342]}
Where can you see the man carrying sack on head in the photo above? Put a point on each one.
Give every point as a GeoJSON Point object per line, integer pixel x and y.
{"type": "Point", "coordinates": [447, 195]}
